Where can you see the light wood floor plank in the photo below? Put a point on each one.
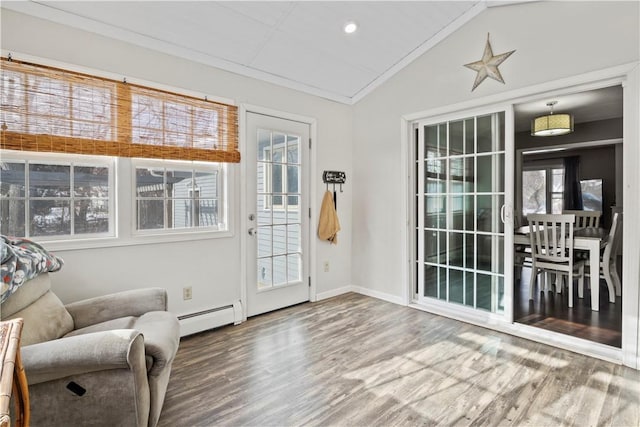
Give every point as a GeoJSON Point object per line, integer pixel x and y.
{"type": "Point", "coordinates": [358, 361]}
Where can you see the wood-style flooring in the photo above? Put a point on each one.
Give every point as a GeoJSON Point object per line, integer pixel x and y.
{"type": "Point", "coordinates": [550, 310]}
{"type": "Point", "coordinates": [353, 360]}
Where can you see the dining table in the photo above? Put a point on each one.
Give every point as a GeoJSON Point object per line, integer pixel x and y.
{"type": "Point", "coordinates": [590, 239]}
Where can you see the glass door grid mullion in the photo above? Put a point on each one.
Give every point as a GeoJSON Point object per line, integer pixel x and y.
{"type": "Point", "coordinates": [468, 235]}
{"type": "Point", "coordinates": [284, 220]}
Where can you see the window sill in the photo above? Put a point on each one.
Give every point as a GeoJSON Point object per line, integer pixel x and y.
{"type": "Point", "coordinates": [114, 242]}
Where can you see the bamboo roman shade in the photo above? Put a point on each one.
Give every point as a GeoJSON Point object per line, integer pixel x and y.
{"type": "Point", "coordinates": [51, 110]}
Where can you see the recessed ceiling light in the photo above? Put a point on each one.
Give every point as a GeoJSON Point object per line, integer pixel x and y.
{"type": "Point", "coordinates": [350, 27]}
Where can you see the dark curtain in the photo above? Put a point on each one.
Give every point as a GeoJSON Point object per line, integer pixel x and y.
{"type": "Point", "coordinates": [572, 194]}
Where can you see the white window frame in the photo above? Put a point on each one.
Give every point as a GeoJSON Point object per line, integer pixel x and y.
{"type": "Point", "coordinates": [180, 165]}
{"type": "Point", "coordinates": [548, 167]}
{"type": "Point", "coordinates": [268, 170]}
{"type": "Point", "coordinates": [122, 204]}
{"type": "Point", "coordinates": [74, 160]}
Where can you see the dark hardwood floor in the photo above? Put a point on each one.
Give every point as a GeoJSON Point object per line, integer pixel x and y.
{"type": "Point", "coordinates": [549, 310]}
{"type": "Point", "coordinates": [353, 360]}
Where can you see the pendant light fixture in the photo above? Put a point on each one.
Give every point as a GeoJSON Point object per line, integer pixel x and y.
{"type": "Point", "coordinates": [552, 124]}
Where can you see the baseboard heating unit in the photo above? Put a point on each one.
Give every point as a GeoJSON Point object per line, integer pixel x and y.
{"type": "Point", "coordinates": [211, 318]}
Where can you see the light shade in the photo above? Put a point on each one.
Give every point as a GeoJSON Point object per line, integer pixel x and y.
{"type": "Point", "coordinates": [552, 124]}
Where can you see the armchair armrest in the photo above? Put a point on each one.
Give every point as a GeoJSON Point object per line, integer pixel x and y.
{"type": "Point", "coordinates": [116, 349]}
{"type": "Point", "coordinates": [161, 332]}
{"type": "Point", "coordinates": [107, 307]}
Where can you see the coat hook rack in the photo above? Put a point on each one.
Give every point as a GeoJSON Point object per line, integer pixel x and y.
{"type": "Point", "coordinates": [334, 178]}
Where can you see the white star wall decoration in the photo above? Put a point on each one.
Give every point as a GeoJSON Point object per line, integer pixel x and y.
{"type": "Point", "coordinates": [488, 65]}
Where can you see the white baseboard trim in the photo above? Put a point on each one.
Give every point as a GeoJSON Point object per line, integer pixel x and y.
{"type": "Point", "coordinates": [377, 294]}
{"type": "Point", "coordinates": [334, 292]}
{"type": "Point", "coordinates": [576, 345]}
{"type": "Point", "coordinates": [192, 324]}
{"type": "Point", "coordinates": [360, 290]}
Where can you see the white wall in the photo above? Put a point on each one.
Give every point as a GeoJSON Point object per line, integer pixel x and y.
{"type": "Point", "coordinates": [212, 267]}
{"type": "Point", "coordinates": [553, 40]}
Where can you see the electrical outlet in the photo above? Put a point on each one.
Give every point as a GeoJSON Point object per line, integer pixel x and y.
{"type": "Point", "coordinates": [326, 266]}
{"type": "Point", "coordinates": [187, 293]}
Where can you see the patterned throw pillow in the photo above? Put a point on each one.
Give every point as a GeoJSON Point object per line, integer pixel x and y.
{"type": "Point", "coordinates": [22, 260]}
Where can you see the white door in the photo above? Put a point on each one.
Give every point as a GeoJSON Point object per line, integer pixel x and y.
{"type": "Point", "coordinates": [277, 220]}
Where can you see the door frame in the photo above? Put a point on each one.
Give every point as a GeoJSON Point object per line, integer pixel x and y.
{"type": "Point", "coordinates": [243, 224]}
{"type": "Point", "coordinates": [627, 75]}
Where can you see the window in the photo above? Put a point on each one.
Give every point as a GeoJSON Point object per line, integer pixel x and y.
{"type": "Point", "coordinates": [66, 197]}
{"type": "Point", "coordinates": [180, 196]}
{"type": "Point", "coordinates": [39, 103]}
{"type": "Point", "coordinates": [591, 192]}
{"type": "Point", "coordinates": [534, 191]}
{"type": "Point", "coordinates": [542, 190]}
{"type": "Point", "coordinates": [66, 138]}
{"type": "Point", "coordinates": [281, 172]}
{"type": "Point", "coordinates": [557, 189]}
{"type": "Point", "coordinates": [45, 109]}
{"type": "Point", "coordinates": [171, 120]}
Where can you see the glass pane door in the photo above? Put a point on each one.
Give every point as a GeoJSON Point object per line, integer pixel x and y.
{"type": "Point", "coordinates": [277, 260]}
{"type": "Point", "coordinates": [460, 193]}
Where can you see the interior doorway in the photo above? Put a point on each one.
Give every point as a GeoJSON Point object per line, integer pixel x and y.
{"type": "Point", "coordinates": [544, 170]}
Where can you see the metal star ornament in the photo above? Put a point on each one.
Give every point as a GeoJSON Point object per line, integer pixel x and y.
{"type": "Point", "coordinates": [488, 65]}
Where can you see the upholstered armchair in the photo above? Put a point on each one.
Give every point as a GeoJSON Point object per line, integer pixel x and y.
{"type": "Point", "coordinates": [101, 361]}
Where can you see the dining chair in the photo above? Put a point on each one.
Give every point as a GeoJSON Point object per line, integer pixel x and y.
{"type": "Point", "coordinates": [585, 219]}
{"type": "Point", "coordinates": [521, 259]}
{"type": "Point", "coordinates": [522, 253]}
{"type": "Point", "coordinates": [608, 257]}
{"type": "Point", "coordinates": [551, 237]}
{"type": "Point", "coordinates": [619, 210]}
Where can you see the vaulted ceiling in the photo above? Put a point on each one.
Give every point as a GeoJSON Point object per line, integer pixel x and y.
{"type": "Point", "coordinates": [300, 44]}
{"type": "Point", "coordinates": [297, 44]}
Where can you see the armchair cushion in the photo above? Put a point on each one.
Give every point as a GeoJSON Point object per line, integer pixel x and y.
{"type": "Point", "coordinates": [25, 295]}
{"type": "Point", "coordinates": [45, 320]}
{"type": "Point", "coordinates": [119, 323]}
{"type": "Point", "coordinates": [122, 304]}
{"type": "Point", "coordinates": [45, 317]}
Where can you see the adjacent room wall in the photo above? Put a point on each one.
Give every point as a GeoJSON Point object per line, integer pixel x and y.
{"type": "Point", "coordinates": [594, 162]}
{"type": "Point", "coordinates": [212, 267]}
{"type": "Point", "coordinates": [600, 130]}
{"type": "Point", "coordinates": [597, 35]}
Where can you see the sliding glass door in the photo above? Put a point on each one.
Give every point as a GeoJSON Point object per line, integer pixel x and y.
{"type": "Point", "coordinates": [460, 212]}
